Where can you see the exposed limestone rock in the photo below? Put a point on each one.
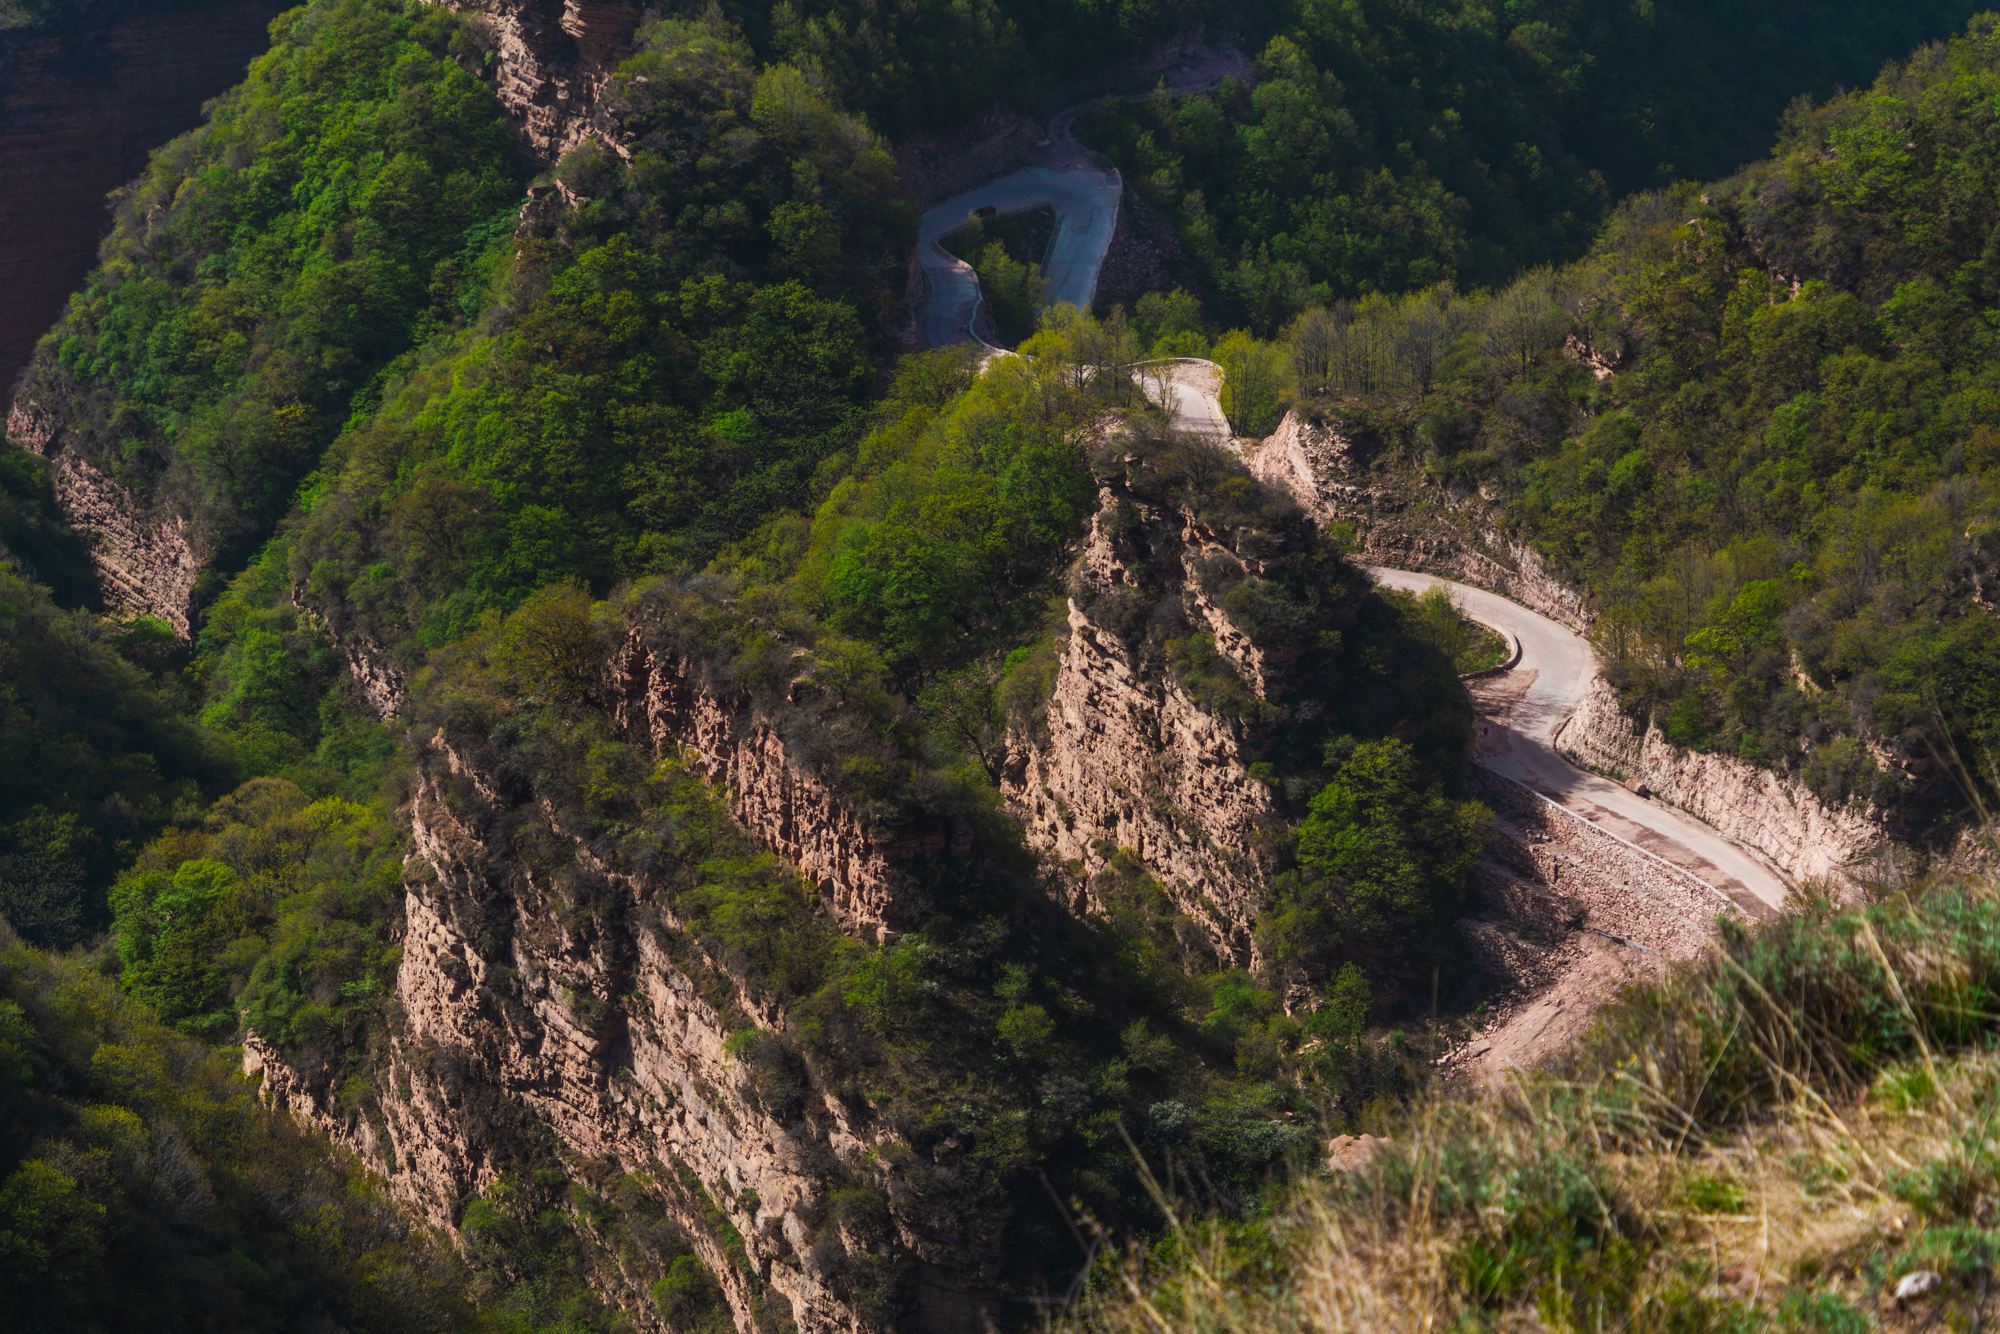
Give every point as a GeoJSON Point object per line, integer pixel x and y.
{"type": "Point", "coordinates": [588, 1008]}
{"type": "Point", "coordinates": [554, 59]}
{"type": "Point", "coordinates": [383, 684]}
{"type": "Point", "coordinates": [1131, 761]}
{"type": "Point", "coordinates": [145, 567]}
{"type": "Point", "coordinates": [661, 701]}
{"type": "Point", "coordinates": [1454, 536]}
{"type": "Point", "coordinates": [1760, 809]}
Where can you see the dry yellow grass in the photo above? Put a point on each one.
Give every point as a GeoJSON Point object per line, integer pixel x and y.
{"type": "Point", "coordinates": [1766, 1141]}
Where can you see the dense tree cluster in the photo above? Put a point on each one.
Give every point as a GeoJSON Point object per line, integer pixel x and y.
{"type": "Point", "coordinates": [1384, 146]}
{"type": "Point", "coordinates": [337, 207]}
{"type": "Point", "coordinates": [1756, 423]}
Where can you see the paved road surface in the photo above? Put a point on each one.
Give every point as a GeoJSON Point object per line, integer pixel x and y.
{"type": "Point", "coordinates": [1086, 205]}
{"type": "Point", "coordinates": [1187, 388]}
{"type": "Point", "coordinates": [1540, 694]}
{"type": "Point", "coordinates": [1557, 667]}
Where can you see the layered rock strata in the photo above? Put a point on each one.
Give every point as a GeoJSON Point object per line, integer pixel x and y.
{"type": "Point", "coordinates": [1130, 760]}
{"type": "Point", "coordinates": [662, 701]}
{"type": "Point", "coordinates": [552, 60]}
{"type": "Point", "coordinates": [1760, 809]}
{"type": "Point", "coordinates": [1325, 471]}
{"type": "Point", "coordinates": [579, 1000]}
{"type": "Point", "coordinates": [144, 564]}
{"type": "Point", "coordinates": [78, 115]}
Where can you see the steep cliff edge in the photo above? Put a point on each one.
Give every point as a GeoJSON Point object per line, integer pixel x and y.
{"type": "Point", "coordinates": [1760, 809]}
{"type": "Point", "coordinates": [78, 115]}
{"type": "Point", "coordinates": [543, 993]}
{"type": "Point", "coordinates": [662, 701]}
{"type": "Point", "coordinates": [552, 61]}
{"type": "Point", "coordinates": [1130, 760]}
{"type": "Point", "coordinates": [144, 563]}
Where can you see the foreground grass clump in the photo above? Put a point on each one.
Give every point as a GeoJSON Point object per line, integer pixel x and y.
{"type": "Point", "coordinates": [1768, 1140]}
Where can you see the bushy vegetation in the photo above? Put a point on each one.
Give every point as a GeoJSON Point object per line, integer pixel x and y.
{"type": "Point", "coordinates": [1766, 1140]}
{"type": "Point", "coordinates": [96, 755]}
{"type": "Point", "coordinates": [1753, 424]}
{"type": "Point", "coordinates": [1007, 254]}
{"type": "Point", "coordinates": [1382, 147]}
{"type": "Point", "coordinates": [143, 1186]}
{"type": "Point", "coordinates": [676, 359]}
{"type": "Point", "coordinates": [486, 445]}
{"type": "Point", "coordinates": [336, 207]}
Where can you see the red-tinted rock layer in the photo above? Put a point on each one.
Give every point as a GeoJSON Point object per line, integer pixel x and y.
{"type": "Point", "coordinates": [78, 115]}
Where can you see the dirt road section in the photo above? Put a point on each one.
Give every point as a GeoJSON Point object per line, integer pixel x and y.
{"type": "Point", "coordinates": [1555, 670]}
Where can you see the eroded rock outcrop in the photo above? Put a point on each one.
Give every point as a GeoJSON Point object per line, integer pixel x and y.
{"type": "Point", "coordinates": [579, 1001]}
{"type": "Point", "coordinates": [1325, 471]}
{"type": "Point", "coordinates": [1756, 807]}
{"type": "Point", "coordinates": [1128, 759]}
{"type": "Point", "coordinates": [661, 699]}
{"type": "Point", "coordinates": [144, 563]}
{"type": "Point", "coordinates": [552, 61]}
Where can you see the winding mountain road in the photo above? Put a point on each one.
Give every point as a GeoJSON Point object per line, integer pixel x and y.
{"type": "Point", "coordinates": [1086, 205]}
{"type": "Point", "coordinates": [1523, 712]}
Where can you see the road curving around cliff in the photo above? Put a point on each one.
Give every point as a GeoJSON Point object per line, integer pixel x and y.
{"type": "Point", "coordinates": [1086, 206]}
{"type": "Point", "coordinates": [1522, 712]}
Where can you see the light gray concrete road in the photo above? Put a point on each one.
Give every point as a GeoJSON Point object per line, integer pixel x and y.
{"type": "Point", "coordinates": [1086, 205]}
{"type": "Point", "coordinates": [1556, 668]}
{"type": "Point", "coordinates": [1187, 387]}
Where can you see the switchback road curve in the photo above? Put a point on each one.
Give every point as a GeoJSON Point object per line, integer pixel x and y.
{"type": "Point", "coordinates": [1540, 694]}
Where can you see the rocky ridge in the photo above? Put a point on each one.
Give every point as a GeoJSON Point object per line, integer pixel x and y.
{"type": "Point", "coordinates": [144, 563]}
{"type": "Point", "coordinates": [552, 60]}
{"type": "Point", "coordinates": [1124, 758]}
{"type": "Point", "coordinates": [580, 1003]}
{"type": "Point", "coordinates": [661, 699]}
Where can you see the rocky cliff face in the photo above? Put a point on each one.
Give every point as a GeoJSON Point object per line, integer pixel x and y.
{"type": "Point", "coordinates": [1756, 807]}
{"type": "Point", "coordinates": [552, 60]}
{"type": "Point", "coordinates": [145, 565]}
{"type": "Point", "coordinates": [1129, 760]}
{"type": "Point", "coordinates": [577, 1001]}
{"type": "Point", "coordinates": [1453, 535]}
{"type": "Point", "coordinates": [78, 115]}
{"type": "Point", "coordinates": [662, 701]}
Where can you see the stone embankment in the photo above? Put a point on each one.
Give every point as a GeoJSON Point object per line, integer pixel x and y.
{"type": "Point", "coordinates": [1570, 912]}
{"type": "Point", "coordinates": [1777, 816]}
